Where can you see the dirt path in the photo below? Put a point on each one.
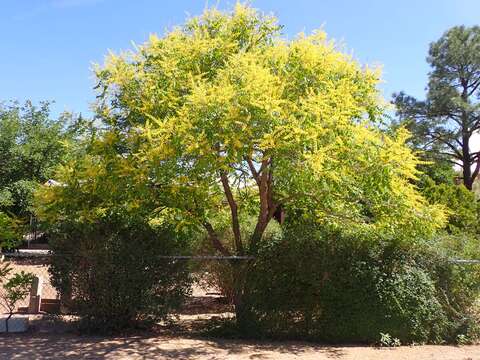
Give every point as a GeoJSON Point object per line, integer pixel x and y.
{"type": "Point", "coordinates": [53, 346]}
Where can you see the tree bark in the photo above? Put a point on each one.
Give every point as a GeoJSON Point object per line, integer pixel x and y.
{"type": "Point", "coordinates": [234, 213]}
{"type": "Point", "coordinates": [267, 204]}
{"type": "Point", "coordinates": [467, 171]}
{"type": "Point", "coordinates": [217, 244]}
{"type": "Point", "coordinates": [6, 322]}
{"type": "Point", "coordinates": [466, 159]}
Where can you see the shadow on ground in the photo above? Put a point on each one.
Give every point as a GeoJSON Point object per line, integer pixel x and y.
{"type": "Point", "coordinates": [54, 337]}
{"type": "Point", "coordinates": [67, 346]}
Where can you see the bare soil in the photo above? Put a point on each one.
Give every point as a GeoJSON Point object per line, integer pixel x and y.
{"type": "Point", "coordinates": [51, 337]}
{"type": "Point", "coordinates": [64, 346]}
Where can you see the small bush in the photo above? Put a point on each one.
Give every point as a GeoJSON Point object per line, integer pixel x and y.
{"type": "Point", "coordinates": [387, 340]}
{"type": "Point", "coordinates": [10, 232]}
{"type": "Point", "coordinates": [15, 288]}
{"type": "Point", "coordinates": [323, 285]}
{"type": "Point", "coordinates": [115, 273]}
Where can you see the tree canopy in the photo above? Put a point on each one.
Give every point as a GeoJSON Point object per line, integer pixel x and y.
{"type": "Point", "coordinates": [31, 146]}
{"type": "Point", "coordinates": [446, 121]}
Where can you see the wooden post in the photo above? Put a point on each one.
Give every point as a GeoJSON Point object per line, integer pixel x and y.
{"type": "Point", "coordinates": [35, 295]}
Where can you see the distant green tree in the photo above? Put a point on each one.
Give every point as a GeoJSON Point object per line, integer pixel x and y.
{"type": "Point", "coordinates": [31, 146]}
{"type": "Point", "coordinates": [440, 172]}
{"type": "Point", "coordinates": [463, 209]}
{"type": "Point", "coordinates": [443, 124]}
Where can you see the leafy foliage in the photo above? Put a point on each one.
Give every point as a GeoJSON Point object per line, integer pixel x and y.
{"type": "Point", "coordinates": [109, 244]}
{"type": "Point", "coordinates": [387, 340]}
{"type": "Point", "coordinates": [463, 208]}
{"type": "Point", "coordinates": [222, 120]}
{"type": "Point", "coordinates": [10, 231]}
{"type": "Point", "coordinates": [31, 146]}
{"type": "Point", "coordinates": [16, 289]}
{"type": "Point", "coordinates": [227, 112]}
{"type": "Point", "coordinates": [315, 284]}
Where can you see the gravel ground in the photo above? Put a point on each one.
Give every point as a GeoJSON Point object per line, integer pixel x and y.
{"type": "Point", "coordinates": [61, 346]}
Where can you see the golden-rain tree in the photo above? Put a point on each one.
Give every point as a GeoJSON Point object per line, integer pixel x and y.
{"type": "Point", "coordinates": [223, 115]}
{"type": "Point", "coordinates": [224, 103]}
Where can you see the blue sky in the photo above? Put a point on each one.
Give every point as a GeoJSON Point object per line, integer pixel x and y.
{"type": "Point", "coordinates": [48, 46]}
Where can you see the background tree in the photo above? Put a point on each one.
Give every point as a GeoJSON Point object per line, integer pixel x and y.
{"type": "Point", "coordinates": [463, 209]}
{"type": "Point", "coordinates": [31, 146]}
{"type": "Point", "coordinates": [446, 121]}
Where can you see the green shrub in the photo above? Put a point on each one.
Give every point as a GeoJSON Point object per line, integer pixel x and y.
{"type": "Point", "coordinates": [387, 340]}
{"type": "Point", "coordinates": [10, 232]}
{"type": "Point", "coordinates": [115, 272]}
{"type": "Point", "coordinates": [459, 284]}
{"type": "Point", "coordinates": [15, 288]}
{"type": "Point", "coordinates": [323, 285]}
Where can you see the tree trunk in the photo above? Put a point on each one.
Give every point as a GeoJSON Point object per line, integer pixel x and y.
{"type": "Point", "coordinates": [466, 168]}
{"type": "Point", "coordinates": [467, 171]}
{"type": "Point", "coordinates": [242, 313]}
{"type": "Point", "coordinates": [6, 322]}
{"type": "Point", "coordinates": [466, 160]}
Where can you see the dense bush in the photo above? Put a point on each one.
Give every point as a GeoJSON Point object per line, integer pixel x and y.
{"type": "Point", "coordinates": [322, 285]}
{"type": "Point", "coordinates": [115, 273]}
{"type": "Point", "coordinates": [461, 203]}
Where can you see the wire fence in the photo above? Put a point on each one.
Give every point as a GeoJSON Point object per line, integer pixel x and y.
{"type": "Point", "coordinates": [37, 263]}
{"type": "Point", "coordinates": [25, 254]}
{"type": "Point", "coordinates": [465, 261]}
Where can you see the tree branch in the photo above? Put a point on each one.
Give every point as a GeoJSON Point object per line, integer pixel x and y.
{"type": "Point", "coordinates": [217, 244]}
{"type": "Point", "coordinates": [267, 205]}
{"type": "Point", "coordinates": [474, 85]}
{"type": "Point", "coordinates": [253, 170]}
{"type": "Point", "coordinates": [233, 211]}
{"type": "Point", "coordinates": [454, 162]}
{"type": "Point", "coordinates": [456, 153]}
{"type": "Point", "coordinates": [450, 155]}
{"type": "Point", "coordinates": [477, 169]}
